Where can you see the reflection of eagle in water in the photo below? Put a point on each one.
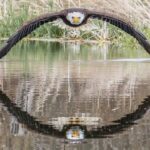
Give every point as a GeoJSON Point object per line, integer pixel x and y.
{"type": "Point", "coordinates": [74, 17]}
{"type": "Point", "coordinates": [75, 130]}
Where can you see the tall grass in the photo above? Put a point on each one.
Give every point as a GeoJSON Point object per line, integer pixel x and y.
{"type": "Point", "coordinates": [13, 13]}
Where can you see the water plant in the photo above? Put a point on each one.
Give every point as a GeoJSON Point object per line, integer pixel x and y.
{"type": "Point", "coordinates": [14, 13]}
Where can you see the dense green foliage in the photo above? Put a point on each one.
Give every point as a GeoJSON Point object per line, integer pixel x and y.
{"type": "Point", "coordinates": [10, 23]}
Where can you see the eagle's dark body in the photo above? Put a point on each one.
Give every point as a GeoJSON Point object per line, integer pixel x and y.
{"type": "Point", "coordinates": [30, 26]}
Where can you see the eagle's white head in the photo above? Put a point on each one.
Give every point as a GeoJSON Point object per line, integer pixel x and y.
{"type": "Point", "coordinates": [75, 18]}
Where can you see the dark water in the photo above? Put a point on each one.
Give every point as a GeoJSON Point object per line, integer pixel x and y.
{"type": "Point", "coordinates": [74, 96]}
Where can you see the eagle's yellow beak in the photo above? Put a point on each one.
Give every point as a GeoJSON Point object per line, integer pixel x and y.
{"type": "Point", "coordinates": [76, 20]}
{"type": "Point", "coordinates": [75, 134]}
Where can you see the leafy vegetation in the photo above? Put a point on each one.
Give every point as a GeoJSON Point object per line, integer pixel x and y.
{"type": "Point", "coordinates": [15, 13]}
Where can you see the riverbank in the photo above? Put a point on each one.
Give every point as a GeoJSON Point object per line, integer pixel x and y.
{"type": "Point", "coordinates": [14, 14]}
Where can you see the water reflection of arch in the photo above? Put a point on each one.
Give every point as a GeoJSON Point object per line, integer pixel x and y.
{"type": "Point", "coordinates": [117, 126]}
{"type": "Point", "coordinates": [83, 88]}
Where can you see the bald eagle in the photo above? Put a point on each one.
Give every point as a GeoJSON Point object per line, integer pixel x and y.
{"type": "Point", "coordinates": [74, 17]}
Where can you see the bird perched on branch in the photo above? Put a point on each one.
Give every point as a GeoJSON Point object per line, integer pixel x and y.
{"type": "Point", "coordinates": [75, 17]}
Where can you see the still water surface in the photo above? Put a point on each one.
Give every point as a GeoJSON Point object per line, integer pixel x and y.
{"type": "Point", "coordinates": [73, 96]}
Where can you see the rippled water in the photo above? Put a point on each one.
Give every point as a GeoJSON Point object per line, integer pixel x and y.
{"type": "Point", "coordinates": [74, 96]}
